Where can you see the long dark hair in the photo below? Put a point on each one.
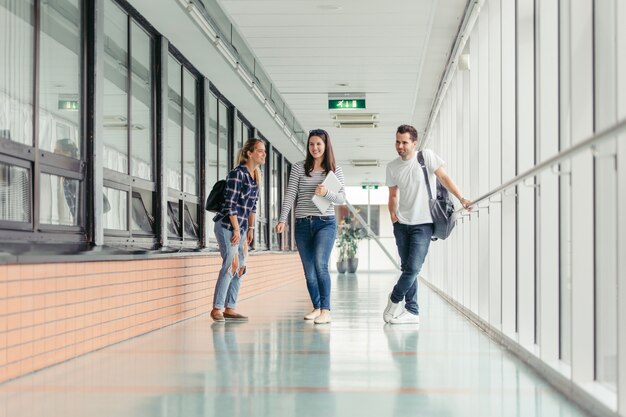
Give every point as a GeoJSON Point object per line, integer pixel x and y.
{"type": "Point", "coordinates": [328, 163]}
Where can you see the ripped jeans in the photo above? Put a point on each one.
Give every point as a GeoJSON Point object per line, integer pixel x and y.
{"type": "Point", "coordinates": [233, 267]}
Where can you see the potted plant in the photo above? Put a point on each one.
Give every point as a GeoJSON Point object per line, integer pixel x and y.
{"type": "Point", "coordinates": [349, 235]}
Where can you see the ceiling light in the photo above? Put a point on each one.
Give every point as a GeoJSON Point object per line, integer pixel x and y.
{"type": "Point", "coordinates": [352, 124]}
{"type": "Point", "coordinates": [365, 162]}
{"type": "Point", "coordinates": [357, 117]}
{"type": "Point", "coordinates": [332, 7]}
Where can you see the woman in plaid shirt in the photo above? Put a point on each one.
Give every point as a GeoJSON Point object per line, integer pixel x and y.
{"type": "Point", "coordinates": [234, 228]}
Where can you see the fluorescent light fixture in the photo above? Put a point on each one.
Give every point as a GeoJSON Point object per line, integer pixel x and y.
{"type": "Point", "coordinates": [365, 162]}
{"type": "Point", "coordinates": [354, 116]}
{"type": "Point", "coordinates": [244, 75]}
{"type": "Point", "coordinates": [269, 108]}
{"type": "Point", "coordinates": [279, 121]}
{"type": "Point", "coordinates": [226, 52]}
{"type": "Point", "coordinates": [197, 16]}
{"type": "Point", "coordinates": [355, 125]}
{"type": "Point", "coordinates": [257, 92]}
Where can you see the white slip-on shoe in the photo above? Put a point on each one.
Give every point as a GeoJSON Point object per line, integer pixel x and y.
{"type": "Point", "coordinates": [313, 314]}
{"type": "Point", "coordinates": [323, 318]}
{"type": "Point", "coordinates": [406, 317]}
{"type": "Point", "coordinates": [392, 310]}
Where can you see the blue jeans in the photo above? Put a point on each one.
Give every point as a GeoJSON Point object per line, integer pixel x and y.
{"type": "Point", "coordinates": [413, 242]}
{"type": "Point", "coordinates": [315, 237]}
{"type": "Point", "coordinates": [228, 281]}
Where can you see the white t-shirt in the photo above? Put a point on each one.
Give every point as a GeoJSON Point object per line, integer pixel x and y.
{"type": "Point", "coordinates": [413, 197]}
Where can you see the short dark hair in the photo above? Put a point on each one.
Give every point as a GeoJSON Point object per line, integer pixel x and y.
{"type": "Point", "coordinates": [408, 129]}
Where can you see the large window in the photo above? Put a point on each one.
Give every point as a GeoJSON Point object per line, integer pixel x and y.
{"type": "Point", "coordinates": [182, 153]}
{"type": "Point", "coordinates": [41, 136]}
{"type": "Point", "coordinates": [128, 128]}
{"type": "Point", "coordinates": [217, 152]}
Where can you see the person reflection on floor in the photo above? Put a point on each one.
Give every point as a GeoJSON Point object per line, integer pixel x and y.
{"type": "Point", "coordinates": [403, 347]}
{"type": "Point", "coordinates": [231, 390]}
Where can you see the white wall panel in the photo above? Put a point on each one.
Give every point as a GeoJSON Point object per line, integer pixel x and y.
{"type": "Point", "coordinates": [483, 161]}
{"type": "Point", "coordinates": [581, 92]}
{"type": "Point", "coordinates": [509, 239]}
{"type": "Point", "coordinates": [621, 195]}
{"type": "Point", "coordinates": [548, 142]}
{"type": "Point", "coordinates": [605, 196]}
{"type": "Point", "coordinates": [525, 161]}
{"type": "Point", "coordinates": [466, 184]}
{"type": "Point", "coordinates": [565, 188]}
{"type": "Point", "coordinates": [495, 167]}
{"type": "Point", "coordinates": [474, 164]}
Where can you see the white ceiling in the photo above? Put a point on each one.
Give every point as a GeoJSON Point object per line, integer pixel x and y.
{"type": "Point", "coordinates": [393, 51]}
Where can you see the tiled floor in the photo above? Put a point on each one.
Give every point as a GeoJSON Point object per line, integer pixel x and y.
{"type": "Point", "coordinates": [279, 365]}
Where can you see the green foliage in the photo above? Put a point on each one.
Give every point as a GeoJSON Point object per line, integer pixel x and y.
{"type": "Point", "coordinates": [348, 236]}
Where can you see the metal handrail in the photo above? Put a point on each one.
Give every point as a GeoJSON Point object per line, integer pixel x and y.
{"type": "Point", "coordinates": [371, 233]}
{"type": "Point", "coordinates": [592, 141]}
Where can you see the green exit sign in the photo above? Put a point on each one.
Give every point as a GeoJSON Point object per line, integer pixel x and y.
{"type": "Point", "coordinates": [68, 105]}
{"type": "Point", "coordinates": [369, 186]}
{"type": "Point", "coordinates": [346, 103]}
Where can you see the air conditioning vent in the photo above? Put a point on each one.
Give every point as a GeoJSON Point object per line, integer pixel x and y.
{"type": "Point", "coordinates": [365, 162]}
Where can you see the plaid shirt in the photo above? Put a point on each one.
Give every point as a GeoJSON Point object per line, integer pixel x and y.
{"type": "Point", "coordinates": [240, 199]}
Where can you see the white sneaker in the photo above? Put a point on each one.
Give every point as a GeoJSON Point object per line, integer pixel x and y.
{"type": "Point", "coordinates": [313, 314]}
{"type": "Point", "coordinates": [392, 310]}
{"type": "Point", "coordinates": [406, 317]}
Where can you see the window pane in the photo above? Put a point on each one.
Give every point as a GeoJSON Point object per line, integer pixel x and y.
{"type": "Point", "coordinates": [191, 221]}
{"type": "Point", "coordinates": [14, 193]}
{"type": "Point", "coordinates": [16, 71]}
{"type": "Point", "coordinates": [274, 198]}
{"type": "Point", "coordinates": [142, 218]}
{"type": "Point", "coordinates": [115, 88]}
{"type": "Point", "coordinates": [141, 116]}
{"type": "Point", "coordinates": [173, 125]}
{"type": "Point", "coordinates": [260, 207]}
{"type": "Point", "coordinates": [59, 200]}
{"type": "Point", "coordinates": [190, 166]}
{"type": "Point", "coordinates": [173, 219]}
{"type": "Point", "coordinates": [115, 209]}
{"type": "Point", "coordinates": [60, 76]}
{"type": "Point", "coordinates": [223, 141]}
{"type": "Point", "coordinates": [212, 155]}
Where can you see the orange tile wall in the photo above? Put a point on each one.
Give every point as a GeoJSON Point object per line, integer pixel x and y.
{"type": "Point", "coordinates": [50, 313]}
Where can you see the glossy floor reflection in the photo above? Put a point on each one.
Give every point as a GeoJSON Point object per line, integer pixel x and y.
{"type": "Point", "coordinates": [279, 365]}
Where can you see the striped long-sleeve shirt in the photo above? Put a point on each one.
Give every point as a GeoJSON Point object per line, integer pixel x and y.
{"type": "Point", "coordinates": [301, 190]}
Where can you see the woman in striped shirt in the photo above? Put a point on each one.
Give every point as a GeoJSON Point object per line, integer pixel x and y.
{"type": "Point", "coordinates": [315, 231]}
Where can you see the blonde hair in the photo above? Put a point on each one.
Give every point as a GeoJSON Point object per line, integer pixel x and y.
{"type": "Point", "coordinates": [242, 157]}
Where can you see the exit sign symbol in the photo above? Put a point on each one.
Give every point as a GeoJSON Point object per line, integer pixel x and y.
{"type": "Point", "coordinates": [346, 104]}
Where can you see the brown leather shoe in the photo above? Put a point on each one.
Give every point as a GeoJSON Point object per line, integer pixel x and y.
{"type": "Point", "coordinates": [235, 317]}
{"type": "Point", "coordinates": [217, 316]}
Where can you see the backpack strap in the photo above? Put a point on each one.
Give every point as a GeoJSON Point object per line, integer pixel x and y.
{"type": "Point", "coordinates": [420, 159]}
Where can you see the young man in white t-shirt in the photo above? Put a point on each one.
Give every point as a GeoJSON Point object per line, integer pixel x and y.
{"type": "Point", "coordinates": [412, 222]}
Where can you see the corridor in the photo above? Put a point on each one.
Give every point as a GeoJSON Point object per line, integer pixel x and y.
{"type": "Point", "coordinates": [280, 365]}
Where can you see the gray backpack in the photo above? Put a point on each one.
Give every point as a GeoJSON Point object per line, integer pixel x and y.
{"type": "Point", "coordinates": [441, 207]}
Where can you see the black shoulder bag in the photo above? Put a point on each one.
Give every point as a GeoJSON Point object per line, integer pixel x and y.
{"type": "Point", "coordinates": [216, 198]}
{"type": "Point", "coordinates": [441, 208]}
